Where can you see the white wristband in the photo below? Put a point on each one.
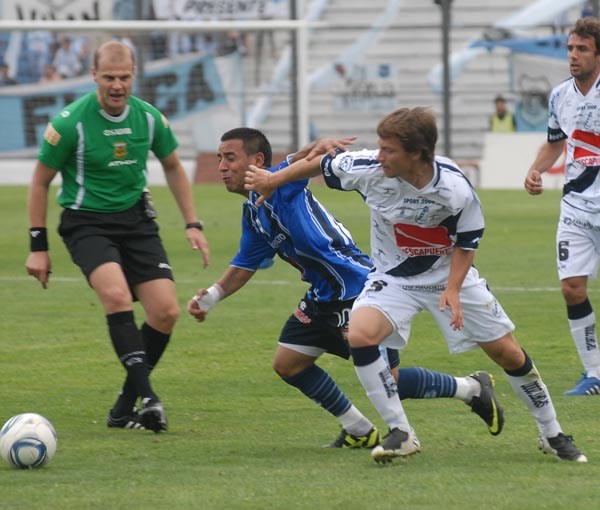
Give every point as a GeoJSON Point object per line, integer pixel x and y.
{"type": "Point", "coordinates": [210, 299]}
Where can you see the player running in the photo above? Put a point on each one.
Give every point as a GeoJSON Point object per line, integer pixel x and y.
{"type": "Point", "coordinates": [426, 223]}
{"type": "Point", "coordinates": [294, 225]}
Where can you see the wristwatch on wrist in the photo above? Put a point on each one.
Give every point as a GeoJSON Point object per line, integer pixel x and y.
{"type": "Point", "coordinates": [195, 224]}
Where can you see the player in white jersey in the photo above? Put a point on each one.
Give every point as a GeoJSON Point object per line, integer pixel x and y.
{"type": "Point", "coordinates": [426, 223]}
{"type": "Point", "coordinates": [574, 120]}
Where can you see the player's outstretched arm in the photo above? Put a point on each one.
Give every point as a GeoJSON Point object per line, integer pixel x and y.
{"type": "Point", "coordinates": [233, 279]}
{"type": "Point", "coordinates": [323, 146]}
{"type": "Point", "coordinates": [265, 183]}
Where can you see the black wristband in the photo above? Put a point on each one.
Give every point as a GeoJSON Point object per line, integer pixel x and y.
{"type": "Point", "coordinates": [195, 224]}
{"type": "Point", "coordinates": [38, 239]}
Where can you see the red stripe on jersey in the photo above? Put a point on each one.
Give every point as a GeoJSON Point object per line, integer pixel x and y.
{"type": "Point", "coordinates": [414, 236]}
{"type": "Point", "coordinates": [587, 138]}
{"type": "Point", "coordinates": [580, 152]}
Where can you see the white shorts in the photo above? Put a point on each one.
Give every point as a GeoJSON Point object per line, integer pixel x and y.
{"type": "Point", "coordinates": [400, 301]}
{"type": "Point", "coordinates": [577, 243]}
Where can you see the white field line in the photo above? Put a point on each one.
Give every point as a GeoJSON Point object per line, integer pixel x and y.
{"type": "Point", "coordinates": [80, 279]}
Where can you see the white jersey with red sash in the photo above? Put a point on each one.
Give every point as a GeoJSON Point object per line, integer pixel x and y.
{"type": "Point", "coordinates": [413, 231]}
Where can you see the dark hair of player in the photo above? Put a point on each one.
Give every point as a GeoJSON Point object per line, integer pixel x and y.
{"type": "Point", "coordinates": [254, 142]}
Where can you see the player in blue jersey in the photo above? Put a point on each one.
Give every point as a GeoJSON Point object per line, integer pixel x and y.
{"type": "Point", "coordinates": [426, 224]}
{"type": "Point", "coordinates": [297, 228]}
{"type": "Point", "coordinates": [573, 120]}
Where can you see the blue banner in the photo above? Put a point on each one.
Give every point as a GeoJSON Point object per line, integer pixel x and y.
{"type": "Point", "coordinates": [177, 88]}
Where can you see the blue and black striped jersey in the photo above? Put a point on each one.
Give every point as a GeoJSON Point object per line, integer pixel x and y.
{"type": "Point", "coordinates": [294, 225]}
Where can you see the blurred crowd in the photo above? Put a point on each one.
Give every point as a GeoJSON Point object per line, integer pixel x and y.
{"type": "Point", "coordinates": [45, 56]}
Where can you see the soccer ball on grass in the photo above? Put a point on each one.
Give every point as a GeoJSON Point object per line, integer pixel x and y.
{"type": "Point", "coordinates": [27, 441]}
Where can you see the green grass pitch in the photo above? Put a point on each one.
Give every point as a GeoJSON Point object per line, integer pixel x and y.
{"type": "Point", "coordinates": [240, 438]}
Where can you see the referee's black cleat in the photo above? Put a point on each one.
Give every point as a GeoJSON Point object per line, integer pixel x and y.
{"type": "Point", "coordinates": [153, 416]}
{"type": "Point", "coordinates": [486, 405]}
{"type": "Point", "coordinates": [127, 421]}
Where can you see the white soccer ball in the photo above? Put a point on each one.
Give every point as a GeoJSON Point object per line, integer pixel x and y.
{"type": "Point", "coordinates": [27, 441]}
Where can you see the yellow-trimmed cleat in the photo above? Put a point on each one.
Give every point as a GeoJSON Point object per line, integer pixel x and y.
{"type": "Point", "coordinates": [486, 405]}
{"type": "Point", "coordinates": [347, 440]}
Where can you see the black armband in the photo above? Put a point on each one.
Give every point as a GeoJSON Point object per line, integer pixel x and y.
{"type": "Point", "coordinates": [38, 239]}
{"type": "Point", "coordinates": [196, 224]}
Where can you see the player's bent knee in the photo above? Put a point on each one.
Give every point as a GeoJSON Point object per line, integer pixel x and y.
{"type": "Point", "coordinates": [505, 352]}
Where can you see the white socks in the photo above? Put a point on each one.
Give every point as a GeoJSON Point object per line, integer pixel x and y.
{"type": "Point", "coordinates": [383, 393]}
{"type": "Point", "coordinates": [584, 334]}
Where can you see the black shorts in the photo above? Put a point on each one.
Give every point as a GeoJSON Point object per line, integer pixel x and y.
{"type": "Point", "coordinates": [128, 238]}
{"type": "Point", "coordinates": [324, 325]}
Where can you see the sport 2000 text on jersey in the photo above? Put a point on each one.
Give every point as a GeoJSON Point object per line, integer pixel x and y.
{"type": "Point", "coordinates": [102, 158]}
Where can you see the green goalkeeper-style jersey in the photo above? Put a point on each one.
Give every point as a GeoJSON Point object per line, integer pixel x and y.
{"type": "Point", "coordinates": [102, 159]}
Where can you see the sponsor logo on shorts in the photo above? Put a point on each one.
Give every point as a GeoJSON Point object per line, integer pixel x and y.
{"type": "Point", "coordinates": [377, 286]}
{"type": "Point", "coordinates": [301, 316]}
{"type": "Point", "coordinates": [164, 265]}
{"type": "Point", "coordinates": [494, 308]}
{"type": "Point", "coordinates": [585, 225]}
{"type": "Point", "coordinates": [425, 288]}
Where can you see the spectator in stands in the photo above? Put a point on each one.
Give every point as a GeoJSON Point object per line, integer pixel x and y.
{"type": "Point", "coordinates": [50, 74]}
{"type": "Point", "coordinates": [5, 78]}
{"type": "Point", "coordinates": [39, 47]}
{"type": "Point", "coordinates": [502, 121]}
{"type": "Point", "coordinates": [67, 60]}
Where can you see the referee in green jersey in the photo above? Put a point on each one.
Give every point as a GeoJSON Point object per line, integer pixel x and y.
{"type": "Point", "coordinates": [100, 145]}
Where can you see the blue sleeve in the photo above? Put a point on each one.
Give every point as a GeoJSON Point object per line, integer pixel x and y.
{"type": "Point", "coordinates": [253, 249]}
{"type": "Point", "coordinates": [291, 189]}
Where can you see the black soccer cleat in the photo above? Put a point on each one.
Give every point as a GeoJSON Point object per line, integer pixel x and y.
{"type": "Point", "coordinates": [347, 440]}
{"type": "Point", "coordinates": [398, 443]}
{"type": "Point", "coordinates": [486, 405]}
{"type": "Point", "coordinates": [562, 447]}
{"type": "Point", "coordinates": [153, 416]}
{"type": "Point", "coordinates": [127, 421]}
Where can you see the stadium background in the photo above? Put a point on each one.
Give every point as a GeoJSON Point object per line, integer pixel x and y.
{"type": "Point", "coordinates": [213, 65]}
{"type": "Point", "coordinates": [239, 438]}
